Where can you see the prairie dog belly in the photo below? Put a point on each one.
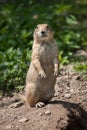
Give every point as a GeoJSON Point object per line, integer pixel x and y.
{"type": "Point", "coordinates": [46, 61]}
{"type": "Point", "coordinates": [34, 77]}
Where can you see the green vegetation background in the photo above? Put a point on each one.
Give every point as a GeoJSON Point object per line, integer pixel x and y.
{"type": "Point", "coordinates": [18, 19]}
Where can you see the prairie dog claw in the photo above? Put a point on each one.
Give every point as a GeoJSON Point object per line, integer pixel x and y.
{"type": "Point", "coordinates": [40, 104]}
{"type": "Point", "coordinates": [42, 74]}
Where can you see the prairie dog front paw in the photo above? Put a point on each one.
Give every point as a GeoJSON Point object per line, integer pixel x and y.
{"type": "Point", "coordinates": [56, 72]}
{"type": "Point", "coordinates": [42, 74]}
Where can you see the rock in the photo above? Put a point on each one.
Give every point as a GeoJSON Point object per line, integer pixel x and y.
{"type": "Point", "coordinates": [68, 88]}
{"type": "Point", "coordinates": [17, 128]}
{"type": "Point", "coordinates": [71, 90]}
{"type": "Point", "coordinates": [4, 117]}
{"type": "Point", "coordinates": [67, 95]}
{"type": "Point", "coordinates": [76, 77]}
{"type": "Point", "coordinates": [43, 129]}
{"type": "Point", "coordinates": [74, 83]}
{"type": "Point", "coordinates": [47, 112]}
{"type": "Point", "coordinates": [61, 79]}
{"type": "Point", "coordinates": [17, 104]}
{"type": "Point", "coordinates": [11, 114]}
{"type": "Point", "coordinates": [81, 53]}
{"type": "Point", "coordinates": [15, 117]}
{"type": "Point", "coordinates": [23, 120]}
{"type": "Point", "coordinates": [40, 114]}
{"type": "Point", "coordinates": [8, 127]}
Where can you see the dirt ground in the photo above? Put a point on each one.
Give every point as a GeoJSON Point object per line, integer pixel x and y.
{"type": "Point", "coordinates": [66, 111]}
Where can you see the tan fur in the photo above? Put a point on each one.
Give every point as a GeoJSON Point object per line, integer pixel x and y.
{"type": "Point", "coordinates": [41, 76]}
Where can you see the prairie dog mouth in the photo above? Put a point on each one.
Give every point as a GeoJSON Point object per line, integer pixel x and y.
{"type": "Point", "coordinates": [42, 34]}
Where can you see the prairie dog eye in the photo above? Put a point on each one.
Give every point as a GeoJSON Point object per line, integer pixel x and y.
{"type": "Point", "coordinates": [37, 27]}
{"type": "Point", "coordinates": [47, 26]}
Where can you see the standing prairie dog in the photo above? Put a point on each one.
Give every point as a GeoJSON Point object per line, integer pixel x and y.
{"type": "Point", "coordinates": [44, 67]}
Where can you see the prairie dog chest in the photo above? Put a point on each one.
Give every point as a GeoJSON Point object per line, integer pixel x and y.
{"type": "Point", "coordinates": [46, 52]}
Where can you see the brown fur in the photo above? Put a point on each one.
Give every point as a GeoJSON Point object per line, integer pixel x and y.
{"type": "Point", "coordinates": [41, 76]}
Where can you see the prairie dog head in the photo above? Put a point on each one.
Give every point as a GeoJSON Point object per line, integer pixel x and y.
{"type": "Point", "coordinates": [43, 33]}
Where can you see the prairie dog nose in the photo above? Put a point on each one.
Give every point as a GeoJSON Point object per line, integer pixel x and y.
{"type": "Point", "coordinates": [43, 32]}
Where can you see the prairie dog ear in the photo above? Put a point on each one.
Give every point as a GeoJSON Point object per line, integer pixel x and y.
{"type": "Point", "coordinates": [52, 33]}
{"type": "Point", "coordinates": [34, 33]}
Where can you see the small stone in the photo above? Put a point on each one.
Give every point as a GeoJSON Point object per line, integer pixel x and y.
{"type": "Point", "coordinates": [15, 117]}
{"type": "Point", "coordinates": [15, 105]}
{"type": "Point", "coordinates": [17, 127]}
{"type": "Point", "coordinates": [42, 129]}
{"type": "Point", "coordinates": [47, 112]}
{"type": "Point", "coordinates": [23, 120]}
{"type": "Point", "coordinates": [8, 126]}
{"type": "Point", "coordinates": [40, 114]}
{"type": "Point", "coordinates": [71, 90]}
{"type": "Point", "coordinates": [4, 117]}
{"type": "Point", "coordinates": [67, 95]}
{"type": "Point", "coordinates": [12, 114]}
{"type": "Point", "coordinates": [68, 88]}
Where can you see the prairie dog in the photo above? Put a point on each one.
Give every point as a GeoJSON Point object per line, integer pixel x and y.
{"type": "Point", "coordinates": [44, 67]}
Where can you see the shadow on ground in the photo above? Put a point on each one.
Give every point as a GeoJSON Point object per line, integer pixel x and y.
{"type": "Point", "coordinates": [77, 116]}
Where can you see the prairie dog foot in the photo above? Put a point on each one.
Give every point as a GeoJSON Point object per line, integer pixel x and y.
{"type": "Point", "coordinates": [40, 104]}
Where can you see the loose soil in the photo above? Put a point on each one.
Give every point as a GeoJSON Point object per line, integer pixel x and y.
{"type": "Point", "coordinates": [66, 111]}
